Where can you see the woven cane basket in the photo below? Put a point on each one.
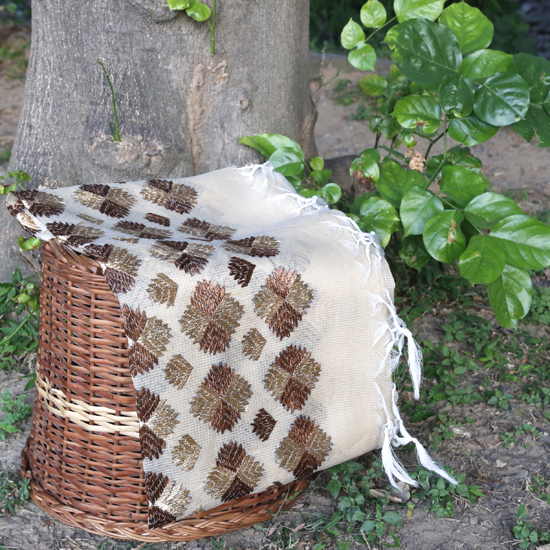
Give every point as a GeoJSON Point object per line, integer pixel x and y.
{"type": "Point", "coordinates": [83, 455]}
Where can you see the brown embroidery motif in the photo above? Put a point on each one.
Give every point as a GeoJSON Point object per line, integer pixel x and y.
{"type": "Point", "coordinates": [146, 404]}
{"type": "Point", "coordinates": [192, 261]}
{"type": "Point", "coordinates": [304, 449]}
{"type": "Point", "coordinates": [111, 201]}
{"type": "Point", "coordinates": [155, 218]}
{"type": "Point", "coordinates": [159, 517]}
{"type": "Point", "coordinates": [155, 484]}
{"type": "Point", "coordinates": [236, 474]}
{"type": "Point", "coordinates": [78, 235]}
{"type": "Point", "coordinates": [149, 338]}
{"type": "Point", "coordinates": [207, 231]}
{"type": "Point", "coordinates": [121, 268]}
{"type": "Point", "coordinates": [253, 344]}
{"type": "Point", "coordinates": [90, 219]}
{"type": "Point", "coordinates": [177, 371]}
{"type": "Point", "coordinates": [141, 230]}
{"type": "Point", "coordinates": [221, 398]}
{"type": "Point", "coordinates": [173, 196]}
{"type": "Point", "coordinates": [260, 247]}
{"type": "Point", "coordinates": [39, 203]}
{"type": "Point", "coordinates": [211, 318]}
{"type": "Point", "coordinates": [152, 445]}
{"type": "Point", "coordinates": [186, 453]}
{"type": "Point", "coordinates": [283, 301]}
{"type": "Point", "coordinates": [241, 270]}
{"type": "Point", "coordinates": [263, 425]}
{"type": "Point", "coordinates": [164, 419]}
{"type": "Point", "coordinates": [163, 290]}
{"type": "Point", "coordinates": [175, 497]}
{"type": "Point", "coordinates": [292, 377]}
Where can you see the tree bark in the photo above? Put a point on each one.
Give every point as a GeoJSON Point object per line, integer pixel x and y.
{"type": "Point", "coordinates": [181, 110]}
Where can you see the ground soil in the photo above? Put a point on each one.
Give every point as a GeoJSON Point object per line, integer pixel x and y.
{"type": "Point", "coordinates": [504, 474]}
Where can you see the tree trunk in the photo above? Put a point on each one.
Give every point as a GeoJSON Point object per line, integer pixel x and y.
{"type": "Point", "coordinates": [181, 110]}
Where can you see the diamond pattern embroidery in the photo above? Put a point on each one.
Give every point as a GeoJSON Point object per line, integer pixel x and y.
{"type": "Point", "coordinates": [207, 231]}
{"type": "Point", "coordinates": [283, 301]}
{"type": "Point", "coordinates": [141, 230]}
{"type": "Point", "coordinates": [241, 270]}
{"type": "Point", "coordinates": [253, 344]}
{"type": "Point", "coordinates": [77, 235]}
{"type": "Point", "coordinates": [221, 398]}
{"type": "Point", "coordinates": [263, 425]}
{"type": "Point", "coordinates": [191, 258]}
{"type": "Point", "coordinates": [304, 449]}
{"type": "Point", "coordinates": [173, 196]}
{"type": "Point", "coordinates": [211, 318]}
{"type": "Point", "coordinates": [260, 247]}
{"type": "Point", "coordinates": [40, 203]}
{"type": "Point", "coordinates": [177, 371]}
{"type": "Point", "coordinates": [186, 453]}
{"type": "Point", "coordinates": [292, 377]}
{"type": "Point", "coordinates": [236, 474]}
{"type": "Point", "coordinates": [111, 201]}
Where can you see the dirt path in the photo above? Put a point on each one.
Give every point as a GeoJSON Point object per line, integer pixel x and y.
{"type": "Point", "coordinates": [476, 448]}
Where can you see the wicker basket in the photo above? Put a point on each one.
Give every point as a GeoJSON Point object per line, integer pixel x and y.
{"type": "Point", "coordinates": [83, 455]}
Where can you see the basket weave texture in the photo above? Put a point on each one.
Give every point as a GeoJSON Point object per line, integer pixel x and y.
{"type": "Point", "coordinates": [84, 454]}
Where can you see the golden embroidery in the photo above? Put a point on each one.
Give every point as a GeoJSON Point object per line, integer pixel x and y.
{"type": "Point", "coordinates": [192, 261]}
{"type": "Point", "coordinates": [177, 371]}
{"type": "Point", "coordinates": [140, 358]}
{"type": "Point", "coordinates": [163, 290]}
{"type": "Point", "coordinates": [155, 336]}
{"type": "Point", "coordinates": [186, 453]}
{"type": "Point", "coordinates": [253, 344]}
{"type": "Point", "coordinates": [221, 398]}
{"type": "Point", "coordinates": [90, 219]}
{"type": "Point", "coordinates": [173, 196]}
{"type": "Point", "coordinates": [164, 419]}
{"type": "Point", "coordinates": [211, 318]}
{"type": "Point", "coordinates": [241, 270]}
{"type": "Point", "coordinates": [205, 230]}
{"type": "Point", "coordinates": [141, 230]}
{"type": "Point", "coordinates": [283, 301]}
{"type": "Point", "coordinates": [131, 240]}
{"type": "Point", "coordinates": [263, 425]}
{"type": "Point", "coordinates": [260, 247]}
{"type": "Point", "coordinates": [292, 377]}
{"type": "Point", "coordinates": [39, 203]}
{"type": "Point", "coordinates": [236, 474]}
{"type": "Point", "coordinates": [121, 270]}
{"type": "Point", "coordinates": [304, 449]}
{"type": "Point", "coordinates": [175, 497]}
{"type": "Point", "coordinates": [111, 201]}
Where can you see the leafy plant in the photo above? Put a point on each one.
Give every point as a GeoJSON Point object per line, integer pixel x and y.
{"type": "Point", "coordinates": [14, 491]}
{"type": "Point", "coordinates": [524, 531]}
{"type": "Point", "coordinates": [199, 12]}
{"type": "Point", "coordinates": [114, 131]}
{"type": "Point", "coordinates": [445, 82]}
{"type": "Point", "coordinates": [16, 410]}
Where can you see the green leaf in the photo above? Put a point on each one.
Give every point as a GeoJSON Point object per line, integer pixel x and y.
{"type": "Point", "coordinates": [352, 35]}
{"type": "Point", "coordinates": [456, 94]}
{"type": "Point", "coordinates": [417, 207]}
{"type": "Point", "coordinates": [395, 181]}
{"type": "Point", "coordinates": [334, 486]}
{"type": "Point", "coordinates": [180, 4]}
{"type": "Point", "coordinates": [317, 163]}
{"type": "Point", "coordinates": [536, 72]}
{"type": "Point", "coordinates": [379, 216]}
{"type": "Point", "coordinates": [473, 30]}
{"type": "Point", "coordinates": [28, 244]}
{"type": "Point", "coordinates": [414, 253]}
{"type": "Point", "coordinates": [510, 296]}
{"type": "Point", "coordinates": [535, 123]}
{"type": "Point", "coordinates": [267, 144]}
{"type": "Point", "coordinates": [424, 52]}
{"type": "Point", "coordinates": [373, 84]}
{"type": "Point", "coordinates": [363, 58]}
{"type": "Point", "coordinates": [416, 9]}
{"type": "Point", "coordinates": [373, 14]}
{"type": "Point", "coordinates": [461, 184]}
{"type": "Point", "coordinates": [331, 192]}
{"type": "Point", "coordinates": [471, 130]}
{"type": "Point", "coordinates": [286, 161]}
{"type": "Point", "coordinates": [321, 177]}
{"type": "Point", "coordinates": [368, 526]}
{"type": "Point", "coordinates": [489, 208]}
{"type": "Point", "coordinates": [418, 110]}
{"type": "Point", "coordinates": [198, 12]}
{"type": "Point", "coordinates": [480, 65]}
{"type": "Point", "coordinates": [525, 240]}
{"type": "Point", "coordinates": [368, 168]}
{"type": "Point", "coordinates": [374, 154]}
{"type": "Point", "coordinates": [391, 517]}
{"type": "Point", "coordinates": [482, 261]}
{"type": "Point", "coordinates": [502, 100]}
{"type": "Point", "coordinates": [5, 189]}
{"type": "Point", "coordinates": [442, 236]}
